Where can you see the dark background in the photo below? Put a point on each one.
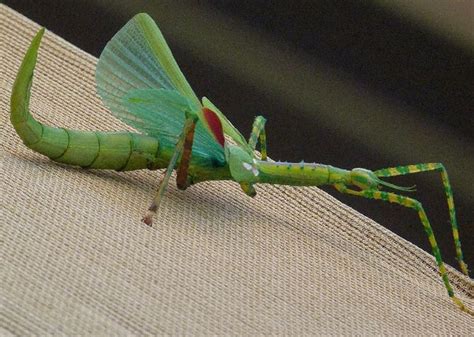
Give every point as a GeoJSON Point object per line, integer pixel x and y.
{"type": "Point", "coordinates": [348, 83]}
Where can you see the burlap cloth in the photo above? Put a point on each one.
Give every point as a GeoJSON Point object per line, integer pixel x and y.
{"type": "Point", "coordinates": [75, 258]}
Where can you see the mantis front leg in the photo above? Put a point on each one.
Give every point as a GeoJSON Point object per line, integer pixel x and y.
{"type": "Point", "coordinates": [417, 206]}
{"type": "Point", "coordinates": [185, 138]}
{"type": "Point", "coordinates": [258, 134]}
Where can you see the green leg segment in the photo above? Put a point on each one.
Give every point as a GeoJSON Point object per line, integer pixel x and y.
{"type": "Point", "coordinates": [402, 170]}
{"type": "Point", "coordinates": [258, 134]}
{"type": "Point", "coordinates": [416, 205]}
{"type": "Point", "coordinates": [189, 125]}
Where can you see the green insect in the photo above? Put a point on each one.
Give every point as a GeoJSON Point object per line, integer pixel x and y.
{"type": "Point", "coordinates": [140, 82]}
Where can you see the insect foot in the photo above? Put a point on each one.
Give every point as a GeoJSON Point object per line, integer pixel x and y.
{"type": "Point", "coordinates": [148, 218]}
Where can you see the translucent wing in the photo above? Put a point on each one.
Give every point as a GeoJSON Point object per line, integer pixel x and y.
{"type": "Point", "coordinates": [161, 113]}
{"type": "Point", "coordinates": [138, 58]}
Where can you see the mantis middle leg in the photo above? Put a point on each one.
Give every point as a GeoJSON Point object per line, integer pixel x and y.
{"type": "Point", "coordinates": [409, 169]}
{"type": "Point", "coordinates": [188, 131]}
{"type": "Point", "coordinates": [182, 172]}
{"type": "Point", "coordinates": [417, 206]}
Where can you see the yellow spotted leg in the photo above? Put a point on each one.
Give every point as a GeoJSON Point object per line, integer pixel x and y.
{"type": "Point", "coordinates": [416, 205]}
{"type": "Point", "coordinates": [408, 169]}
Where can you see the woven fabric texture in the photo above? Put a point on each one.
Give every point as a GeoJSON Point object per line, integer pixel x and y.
{"type": "Point", "coordinates": [75, 258]}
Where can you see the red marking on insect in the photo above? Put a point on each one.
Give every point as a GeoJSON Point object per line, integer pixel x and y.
{"type": "Point", "coordinates": [214, 124]}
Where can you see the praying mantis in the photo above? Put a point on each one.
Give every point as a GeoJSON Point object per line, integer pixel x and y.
{"type": "Point", "coordinates": [140, 82]}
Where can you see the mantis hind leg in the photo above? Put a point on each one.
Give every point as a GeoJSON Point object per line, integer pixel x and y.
{"type": "Point", "coordinates": [258, 135]}
{"type": "Point", "coordinates": [409, 169]}
{"type": "Point", "coordinates": [417, 206]}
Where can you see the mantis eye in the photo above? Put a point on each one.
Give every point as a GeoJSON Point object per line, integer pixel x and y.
{"type": "Point", "coordinates": [247, 166]}
{"type": "Point", "coordinates": [252, 168]}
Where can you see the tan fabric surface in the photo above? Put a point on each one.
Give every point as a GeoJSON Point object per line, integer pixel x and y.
{"type": "Point", "coordinates": [75, 258]}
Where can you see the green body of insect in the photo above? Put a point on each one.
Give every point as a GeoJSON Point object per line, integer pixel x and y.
{"type": "Point", "coordinates": [140, 82]}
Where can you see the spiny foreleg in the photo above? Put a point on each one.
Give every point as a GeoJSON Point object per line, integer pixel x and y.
{"type": "Point", "coordinates": [258, 135]}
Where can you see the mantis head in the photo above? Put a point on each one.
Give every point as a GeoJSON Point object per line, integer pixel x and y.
{"type": "Point", "coordinates": [242, 165]}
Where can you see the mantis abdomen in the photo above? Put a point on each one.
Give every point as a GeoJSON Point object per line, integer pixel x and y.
{"type": "Point", "coordinates": [122, 151]}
